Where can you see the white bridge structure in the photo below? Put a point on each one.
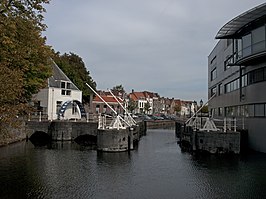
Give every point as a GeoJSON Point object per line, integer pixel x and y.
{"type": "Point", "coordinates": [118, 121]}
{"type": "Point", "coordinates": [208, 123]}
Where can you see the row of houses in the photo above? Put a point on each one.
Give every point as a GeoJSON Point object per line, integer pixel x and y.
{"type": "Point", "coordinates": [142, 102]}
{"type": "Point", "coordinates": [62, 100]}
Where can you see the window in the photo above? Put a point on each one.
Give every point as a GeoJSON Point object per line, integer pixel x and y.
{"type": "Point", "coordinates": [220, 111]}
{"type": "Point", "coordinates": [259, 110]}
{"type": "Point", "coordinates": [246, 44]}
{"type": "Point", "coordinates": [213, 112]}
{"type": "Point", "coordinates": [229, 60]}
{"type": "Point", "coordinates": [213, 74]}
{"type": "Point", "coordinates": [258, 39]}
{"type": "Point", "coordinates": [256, 76]}
{"type": "Point", "coordinates": [219, 89]}
{"type": "Point", "coordinates": [244, 110]}
{"type": "Point", "coordinates": [239, 48]}
{"type": "Point", "coordinates": [74, 109]}
{"type": "Point", "coordinates": [58, 106]}
{"type": "Point", "coordinates": [68, 92]}
{"type": "Point", "coordinates": [231, 111]}
{"type": "Point", "coordinates": [213, 91]}
{"type": "Point", "coordinates": [104, 108]}
{"type": "Point", "coordinates": [63, 84]}
{"type": "Point", "coordinates": [213, 59]}
{"type": "Point", "coordinates": [251, 110]}
{"type": "Point", "coordinates": [226, 88]}
{"type": "Point", "coordinates": [68, 85]}
{"type": "Point", "coordinates": [244, 80]}
{"type": "Point", "coordinates": [97, 108]}
{"type": "Point", "coordinates": [232, 86]}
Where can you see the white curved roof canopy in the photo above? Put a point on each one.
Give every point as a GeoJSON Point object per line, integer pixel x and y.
{"type": "Point", "coordinates": [231, 28]}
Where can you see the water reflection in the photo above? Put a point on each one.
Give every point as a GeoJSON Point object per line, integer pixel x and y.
{"type": "Point", "coordinates": [156, 169]}
{"type": "Point", "coordinates": [63, 145]}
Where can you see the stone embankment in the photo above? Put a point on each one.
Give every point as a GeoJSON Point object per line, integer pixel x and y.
{"type": "Point", "coordinates": [13, 134]}
{"type": "Point", "coordinates": [160, 124]}
{"type": "Point", "coordinates": [214, 142]}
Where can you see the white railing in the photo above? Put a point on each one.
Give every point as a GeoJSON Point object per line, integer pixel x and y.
{"type": "Point", "coordinates": [210, 124]}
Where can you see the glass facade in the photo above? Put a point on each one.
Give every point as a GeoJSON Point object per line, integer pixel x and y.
{"type": "Point", "coordinates": [213, 74]}
{"type": "Point", "coordinates": [249, 110]}
{"type": "Point", "coordinates": [251, 43]}
{"type": "Point", "coordinates": [252, 77]}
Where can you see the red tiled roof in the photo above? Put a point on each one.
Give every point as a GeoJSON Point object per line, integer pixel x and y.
{"type": "Point", "coordinates": [108, 99]}
{"type": "Point", "coordinates": [137, 95]}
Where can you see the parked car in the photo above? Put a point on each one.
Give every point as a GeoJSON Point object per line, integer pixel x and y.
{"type": "Point", "coordinates": [144, 117]}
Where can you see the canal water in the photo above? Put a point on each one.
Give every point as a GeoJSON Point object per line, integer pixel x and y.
{"type": "Point", "coordinates": [157, 168]}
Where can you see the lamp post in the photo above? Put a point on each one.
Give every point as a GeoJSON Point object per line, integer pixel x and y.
{"type": "Point", "coordinates": [201, 104]}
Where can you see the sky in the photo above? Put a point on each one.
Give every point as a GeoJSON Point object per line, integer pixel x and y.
{"type": "Point", "coordinates": [160, 46]}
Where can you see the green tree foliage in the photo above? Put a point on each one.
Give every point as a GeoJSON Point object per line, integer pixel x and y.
{"type": "Point", "coordinates": [119, 88]}
{"type": "Point", "coordinates": [205, 109]}
{"type": "Point", "coordinates": [24, 57]}
{"type": "Point", "coordinates": [73, 66]}
{"type": "Point", "coordinates": [132, 105]}
{"type": "Point", "coordinates": [177, 109]}
{"type": "Point", "coordinates": [23, 48]}
{"type": "Point", "coordinates": [147, 107]}
{"type": "Point", "coordinates": [30, 10]}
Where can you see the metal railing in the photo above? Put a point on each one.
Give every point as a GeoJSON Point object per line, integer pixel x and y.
{"type": "Point", "coordinates": [211, 124]}
{"type": "Point", "coordinates": [41, 116]}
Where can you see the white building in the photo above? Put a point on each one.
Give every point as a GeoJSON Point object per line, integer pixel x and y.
{"type": "Point", "coordinates": [61, 99]}
{"type": "Point", "coordinates": [188, 109]}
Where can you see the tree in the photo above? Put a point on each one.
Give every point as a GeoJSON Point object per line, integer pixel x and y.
{"type": "Point", "coordinates": [177, 109]}
{"type": "Point", "coordinates": [119, 88]}
{"type": "Point", "coordinates": [24, 49]}
{"type": "Point", "coordinates": [147, 107]}
{"type": "Point", "coordinates": [24, 57]}
{"type": "Point", "coordinates": [30, 10]}
{"type": "Point", "coordinates": [10, 105]}
{"type": "Point", "coordinates": [73, 66]}
{"type": "Point", "coordinates": [205, 109]}
{"type": "Point", "coordinates": [132, 105]}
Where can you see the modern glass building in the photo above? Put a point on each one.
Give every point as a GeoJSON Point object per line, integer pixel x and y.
{"type": "Point", "coordinates": [237, 74]}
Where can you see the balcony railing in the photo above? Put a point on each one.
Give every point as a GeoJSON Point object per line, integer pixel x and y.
{"type": "Point", "coordinates": [251, 52]}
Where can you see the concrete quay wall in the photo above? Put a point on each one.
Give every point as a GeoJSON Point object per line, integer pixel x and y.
{"type": "Point", "coordinates": [217, 142]}
{"type": "Point", "coordinates": [214, 142]}
{"type": "Point", "coordinates": [111, 140]}
{"type": "Point", "coordinates": [62, 130]}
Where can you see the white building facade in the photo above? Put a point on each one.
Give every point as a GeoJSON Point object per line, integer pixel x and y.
{"type": "Point", "coordinates": [61, 99]}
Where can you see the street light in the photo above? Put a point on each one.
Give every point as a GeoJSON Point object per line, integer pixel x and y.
{"type": "Point", "coordinates": [201, 104]}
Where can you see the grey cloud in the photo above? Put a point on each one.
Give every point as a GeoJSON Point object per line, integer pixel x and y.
{"type": "Point", "coordinates": [156, 45]}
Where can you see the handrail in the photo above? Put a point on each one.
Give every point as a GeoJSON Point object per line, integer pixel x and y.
{"type": "Point", "coordinates": [200, 108]}
{"type": "Point", "coordinates": [117, 115]}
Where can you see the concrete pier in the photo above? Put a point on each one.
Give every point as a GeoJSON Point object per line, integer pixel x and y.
{"type": "Point", "coordinates": [109, 140]}
{"type": "Point", "coordinates": [214, 142]}
{"type": "Point", "coordinates": [113, 140]}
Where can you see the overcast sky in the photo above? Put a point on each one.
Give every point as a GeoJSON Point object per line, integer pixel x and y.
{"type": "Point", "coordinates": [156, 45]}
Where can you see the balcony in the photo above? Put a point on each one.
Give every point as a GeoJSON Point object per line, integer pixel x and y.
{"type": "Point", "coordinates": [249, 55]}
